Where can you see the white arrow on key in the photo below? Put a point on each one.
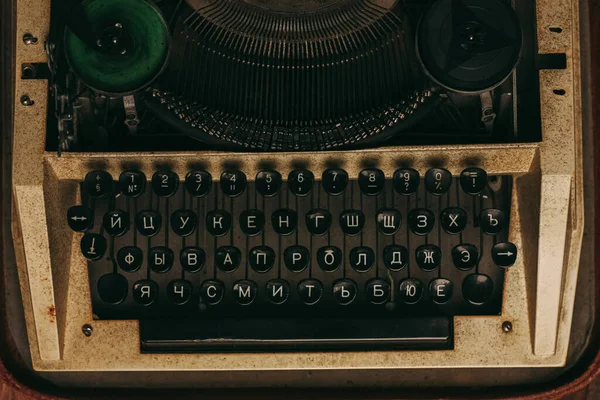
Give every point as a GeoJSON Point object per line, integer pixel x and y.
{"type": "Point", "coordinates": [92, 249]}
{"type": "Point", "coordinates": [507, 254]}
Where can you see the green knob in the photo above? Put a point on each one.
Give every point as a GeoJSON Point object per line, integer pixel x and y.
{"type": "Point", "coordinates": [132, 46]}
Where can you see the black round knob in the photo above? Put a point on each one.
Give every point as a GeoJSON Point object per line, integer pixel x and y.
{"type": "Point", "coordinates": [478, 289]}
{"type": "Point", "coordinates": [438, 181]}
{"type": "Point", "coordinates": [335, 181]}
{"type": "Point", "coordinates": [473, 180]}
{"type": "Point", "coordinates": [198, 183]}
{"type": "Point", "coordinates": [165, 184]}
{"type": "Point", "coordinates": [112, 288]}
{"type": "Point", "coordinates": [268, 183]}
{"type": "Point", "coordinates": [233, 183]}
{"type": "Point", "coordinates": [98, 184]}
{"type": "Point", "coordinates": [132, 183]}
{"type": "Point", "coordinates": [406, 181]}
{"type": "Point", "coordinates": [301, 182]}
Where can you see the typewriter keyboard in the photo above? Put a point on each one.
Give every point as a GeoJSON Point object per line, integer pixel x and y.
{"type": "Point", "coordinates": [334, 246]}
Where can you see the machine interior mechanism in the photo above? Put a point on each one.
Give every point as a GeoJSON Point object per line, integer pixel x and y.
{"type": "Point", "coordinates": [304, 76]}
{"type": "Point", "coordinates": [246, 192]}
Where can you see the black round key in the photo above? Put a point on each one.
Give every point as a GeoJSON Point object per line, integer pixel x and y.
{"type": "Point", "coordinates": [179, 291]}
{"type": "Point", "coordinates": [318, 221]}
{"type": "Point", "coordinates": [261, 258]}
{"type": "Point", "coordinates": [377, 291]}
{"type": "Point", "coordinates": [362, 258]}
{"type": "Point", "coordinates": [296, 258]}
{"type": "Point", "coordinates": [395, 257]}
{"type": "Point", "coordinates": [132, 183]}
{"type": "Point", "coordinates": [473, 181]}
{"type": "Point", "coordinates": [438, 181]}
{"type": "Point", "coordinates": [421, 221]}
{"type": "Point", "coordinates": [212, 292]}
{"type": "Point", "coordinates": [492, 221]}
{"type": "Point", "coordinates": [218, 222]}
{"type": "Point", "coordinates": [160, 259]}
{"type": "Point", "coordinates": [410, 291]}
{"type": "Point", "coordinates": [228, 258]}
{"type": "Point", "coordinates": [165, 184]}
{"type": "Point", "coordinates": [284, 221]}
{"type": "Point", "coordinates": [334, 181]}
{"type": "Point", "coordinates": [116, 223]}
{"type": "Point", "coordinates": [198, 183]}
{"type": "Point", "coordinates": [371, 181]}
{"type": "Point", "coordinates": [301, 182]}
{"type": "Point", "coordinates": [344, 291]}
{"type": "Point", "coordinates": [233, 183]}
{"type": "Point", "coordinates": [440, 290]}
{"type": "Point", "coordinates": [130, 258]}
{"type": "Point", "coordinates": [252, 222]}
{"type": "Point", "coordinates": [465, 256]}
{"type": "Point", "coordinates": [406, 181]}
{"type": "Point", "coordinates": [79, 218]}
{"type": "Point", "coordinates": [389, 221]}
{"type": "Point", "coordinates": [428, 257]}
{"type": "Point", "coordinates": [329, 258]}
{"type": "Point", "coordinates": [244, 292]}
{"type": "Point", "coordinates": [183, 222]}
{"type": "Point", "coordinates": [278, 291]}
{"type": "Point", "coordinates": [352, 221]}
{"type": "Point", "coordinates": [192, 258]}
{"type": "Point", "coordinates": [504, 254]}
{"type": "Point", "coordinates": [148, 222]}
{"type": "Point", "coordinates": [93, 246]}
{"type": "Point", "coordinates": [478, 289]}
{"type": "Point", "coordinates": [453, 220]}
{"type": "Point", "coordinates": [310, 291]}
{"type": "Point", "coordinates": [112, 288]}
{"type": "Point", "coordinates": [268, 183]}
{"type": "Point", "coordinates": [145, 292]}
{"type": "Point", "coordinates": [98, 184]}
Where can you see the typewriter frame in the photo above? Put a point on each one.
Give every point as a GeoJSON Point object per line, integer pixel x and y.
{"type": "Point", "coordinates": [55, 311]}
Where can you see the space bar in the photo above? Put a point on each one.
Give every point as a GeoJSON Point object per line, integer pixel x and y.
{"type": "Point", "coordinates": [218, 335]}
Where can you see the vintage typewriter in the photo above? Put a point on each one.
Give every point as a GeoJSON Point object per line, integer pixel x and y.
{"type": "Point", "coordinates": [298, 192]}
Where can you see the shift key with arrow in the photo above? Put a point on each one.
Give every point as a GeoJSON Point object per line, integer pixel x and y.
{"type": "Point", "coordinates": [79, 218]}
{"type": "Point", "coordinates": [93, 246]}
{"type": "Point", "coordinates": [504, 254]}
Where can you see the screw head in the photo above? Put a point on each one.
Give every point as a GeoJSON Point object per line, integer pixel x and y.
{"type": "Point", "coordinates": [87, 330]}
{"type": "Point", "coordinates": [507, 326]}
{"type": "Point", "coordinates": [29, 39]}
{"type": "Point", "coordinates": [26, 101]}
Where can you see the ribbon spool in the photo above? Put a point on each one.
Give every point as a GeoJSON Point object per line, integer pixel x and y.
{"type": "Point", "coordinates": [469, 46]}
{"type": "Point", "coordinates": [131, 47]}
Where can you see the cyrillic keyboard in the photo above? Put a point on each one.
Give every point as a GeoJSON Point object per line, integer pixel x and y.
{"type": "Point", "coordinates": [338, 246]}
